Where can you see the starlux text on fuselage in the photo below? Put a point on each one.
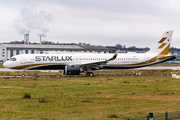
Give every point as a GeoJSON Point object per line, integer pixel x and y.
{"type": "Point", "coordinates": [53, 58]}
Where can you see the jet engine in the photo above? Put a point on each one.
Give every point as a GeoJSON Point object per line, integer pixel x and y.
{"type": "Point", "coordinates": [72, 70]}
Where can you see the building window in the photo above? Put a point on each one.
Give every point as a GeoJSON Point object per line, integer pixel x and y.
{"type": "Point", "coordinates": [26, 51]}
{"type": "Point", "coordinates": [41, 52]}
{"type": "Point", "coordinates": [32, 51]}
{"type": "Point", "coordinates": [11, 53]}
{"type": "Point", "coordinates": [3, 55]}
{"type": "Point", "coordinates": [3, 49]}
{"type": "Point", "coordinates": [3, 52]}
{"type": "Point", "coordinates": [17, 52]}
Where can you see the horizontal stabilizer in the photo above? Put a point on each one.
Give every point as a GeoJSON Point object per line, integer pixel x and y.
{"type": "Point", "coordinates": [169, 57]}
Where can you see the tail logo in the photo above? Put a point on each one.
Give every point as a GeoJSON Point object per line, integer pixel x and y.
{"type": "Point", "coordinates": [161, 41]}
{"type": "Point", "coordinates": [162, 45]}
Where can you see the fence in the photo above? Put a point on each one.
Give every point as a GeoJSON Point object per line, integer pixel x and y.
{"type": "Point", "coordinates": [175, 115]}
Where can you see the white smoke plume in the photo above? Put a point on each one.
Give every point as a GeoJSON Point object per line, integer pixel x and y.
{"type": "Point", "coordinates": [30, 20]}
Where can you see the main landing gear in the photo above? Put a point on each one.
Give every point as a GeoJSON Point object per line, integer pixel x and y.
{"type": "Point", "coordinates": [89, 73]}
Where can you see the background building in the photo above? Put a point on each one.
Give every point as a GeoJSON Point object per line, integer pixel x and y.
{"type": "Point", "coordinates": [9, 50]}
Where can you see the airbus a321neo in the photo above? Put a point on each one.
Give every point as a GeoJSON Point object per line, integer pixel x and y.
{"type": "Point", "coordinates": [74, 64]}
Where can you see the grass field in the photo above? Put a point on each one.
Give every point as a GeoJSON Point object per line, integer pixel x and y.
{"type": "Point", "coordinates": [110, 93]}
{"type": "Point", "coordinates": [1, 65]}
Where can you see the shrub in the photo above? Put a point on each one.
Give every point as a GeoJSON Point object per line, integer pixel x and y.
{"type": "Point", "coordinates": [27, 95]}
{"type": "Point", "coordinates": [125, 81]}
{"type": "Point", "coordinates": [113, 116]}
{"type": "Point", "coordinates": [42, 100]}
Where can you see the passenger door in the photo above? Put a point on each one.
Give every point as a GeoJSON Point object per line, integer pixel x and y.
{"type": "Point", "coordinates": [23, 61]}
{"type": "Point", "coordinates": [146, 58]}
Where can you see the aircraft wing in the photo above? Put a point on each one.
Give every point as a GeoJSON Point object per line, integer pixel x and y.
{"type": "Point", "coordinates": [97, 64]}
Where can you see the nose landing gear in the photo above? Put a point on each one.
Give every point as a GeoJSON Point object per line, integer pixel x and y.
{"type": "Point", "coordinates": [23, 74]}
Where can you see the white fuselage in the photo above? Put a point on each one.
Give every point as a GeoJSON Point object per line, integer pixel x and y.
{"type": "Point", "coordinates": [29, 61]}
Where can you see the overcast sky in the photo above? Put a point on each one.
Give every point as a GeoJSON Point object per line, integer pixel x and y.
{"type": "Point", "coordinates": [98, 22]}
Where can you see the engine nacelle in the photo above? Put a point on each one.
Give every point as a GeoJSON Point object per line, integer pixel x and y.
{"type": "Point", "coordinates": [72, 70]}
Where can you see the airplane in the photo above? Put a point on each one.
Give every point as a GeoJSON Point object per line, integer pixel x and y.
{"type": "Point", "coordinates": [74, 64]}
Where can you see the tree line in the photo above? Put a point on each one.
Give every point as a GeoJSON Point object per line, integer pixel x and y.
{"type": "Point", "coordinates": [124, 48]}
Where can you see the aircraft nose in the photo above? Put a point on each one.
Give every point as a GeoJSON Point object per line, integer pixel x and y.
{"type": "Point", "coordinates": [6, 64]}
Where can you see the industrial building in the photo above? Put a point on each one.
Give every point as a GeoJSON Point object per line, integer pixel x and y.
{"type": "Point", "coordinates": [8, 50]}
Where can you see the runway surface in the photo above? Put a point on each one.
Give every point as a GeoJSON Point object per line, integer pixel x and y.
{"type": "Point", "coordinates": [159, 67]}
{"type": "Point", "coordinates": [143, 68]}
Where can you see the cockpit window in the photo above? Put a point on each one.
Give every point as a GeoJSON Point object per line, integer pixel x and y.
{"type": "Point", "coordinates": [12, 59]}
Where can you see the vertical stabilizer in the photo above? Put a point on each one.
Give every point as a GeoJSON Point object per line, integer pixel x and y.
{"type": "Point", "coordinates": [161, 48]}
